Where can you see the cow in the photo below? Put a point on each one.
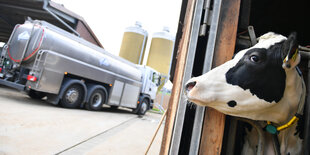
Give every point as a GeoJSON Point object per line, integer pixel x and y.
{"type": "Point", "coordinates": [261, 83]}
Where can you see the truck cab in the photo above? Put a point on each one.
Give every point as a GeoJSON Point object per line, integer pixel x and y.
{"type": "Point", "coordinates": [150, 82]}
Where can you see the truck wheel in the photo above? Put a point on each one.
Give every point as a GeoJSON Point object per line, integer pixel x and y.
{"type": "Point", "coordinates": [72, 96]}
{"type": "Point", "coordinates": [96, 100]}
{"type": "Point", "coordinates": [36, 94]}
{"type": "Point", "coordinates": [143, 107]}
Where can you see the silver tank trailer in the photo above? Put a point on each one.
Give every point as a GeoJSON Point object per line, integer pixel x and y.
{"type": "Point", "coordinates": [48, 37]}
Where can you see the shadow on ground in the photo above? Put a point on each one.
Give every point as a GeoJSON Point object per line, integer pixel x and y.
{"type": "Point", "coordinates": [23, 98]}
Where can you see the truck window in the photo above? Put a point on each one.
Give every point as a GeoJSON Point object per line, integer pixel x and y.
{"type": "Point", "coordinates": [156, 79]}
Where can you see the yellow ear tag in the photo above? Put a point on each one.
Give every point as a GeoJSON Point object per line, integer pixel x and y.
{"type": "Point", "coordinates": [287, 62]}
{"type": "Point", "coordinates": [285, 59]}
{"type": "Point", "coordinates": [295, 55]}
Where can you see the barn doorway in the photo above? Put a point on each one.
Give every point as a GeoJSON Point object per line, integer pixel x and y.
{"type": "Point", "coordinates": [185, 126]}
{"type": "Point", "coordinates": [279, 16]}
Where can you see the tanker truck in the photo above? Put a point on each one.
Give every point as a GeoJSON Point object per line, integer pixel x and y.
{"type": "Point", "coordinates": [47, 62]}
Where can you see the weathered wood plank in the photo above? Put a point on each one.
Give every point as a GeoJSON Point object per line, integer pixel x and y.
{"type": "Point", "coordinates": [214, 121]}
{"type": "Point", "coordinates": [227, 32]}
{"type": "Point", "coordinates": [177, 81]}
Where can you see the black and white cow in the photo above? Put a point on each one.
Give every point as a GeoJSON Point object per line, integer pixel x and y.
{"type": "Point", "coordinates": [259, 83]}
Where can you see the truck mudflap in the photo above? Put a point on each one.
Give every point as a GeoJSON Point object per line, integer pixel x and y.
{"type": "Point", "coordinates": [15, 85]}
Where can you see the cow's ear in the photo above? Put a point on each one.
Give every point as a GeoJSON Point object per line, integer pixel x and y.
{"type": "Point", "coordinates": [290, 54]}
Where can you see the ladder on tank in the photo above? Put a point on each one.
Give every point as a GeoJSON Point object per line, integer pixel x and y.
{"type": "Point", "coordinates": [36, 70]}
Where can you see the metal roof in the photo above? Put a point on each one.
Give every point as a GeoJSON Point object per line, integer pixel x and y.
{"type": "Point", "coordinates": [16, 11]}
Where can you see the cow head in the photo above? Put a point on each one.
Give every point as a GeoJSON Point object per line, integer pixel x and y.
{"type": "Point", "coordinates": [259, 83]}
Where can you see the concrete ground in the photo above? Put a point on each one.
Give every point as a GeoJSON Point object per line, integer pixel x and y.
{"type": "Point", "coordinates": [30, 126]}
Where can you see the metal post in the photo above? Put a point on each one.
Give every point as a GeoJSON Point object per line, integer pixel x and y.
{"type": "Point", "coordinates": [199, 116]}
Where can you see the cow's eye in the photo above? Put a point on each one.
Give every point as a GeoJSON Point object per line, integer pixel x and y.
{"type": "Point", "coordinates": [254, 58]}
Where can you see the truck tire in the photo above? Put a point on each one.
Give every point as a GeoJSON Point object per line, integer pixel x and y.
{"type": "Point", "coordinates": [143, 107]}
{"type": "Point", "coordinates": [96, 100]}
{"type": "Point", "coordinates": [36, 94]}
{"type": "Point", "coordinates": [73, 96]}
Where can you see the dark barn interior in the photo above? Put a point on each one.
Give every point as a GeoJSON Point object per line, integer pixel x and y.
{"type": "Point", "coordinates": [280, 16]}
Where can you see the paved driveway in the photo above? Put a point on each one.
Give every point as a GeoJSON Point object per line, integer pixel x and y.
{"type": "Point", "coordinates": [30, 126]}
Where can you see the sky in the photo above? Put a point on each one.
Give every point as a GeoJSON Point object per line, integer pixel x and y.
{"type": "Point", "coordinates": [109, 18]}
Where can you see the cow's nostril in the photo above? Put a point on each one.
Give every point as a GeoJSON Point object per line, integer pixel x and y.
{"type": "Point", "coordinates": [189, 86]}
